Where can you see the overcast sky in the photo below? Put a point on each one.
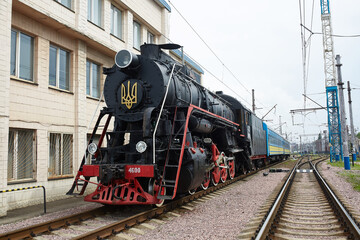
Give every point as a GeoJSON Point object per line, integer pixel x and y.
{"type": "Point", "coordinates": [260, 42]}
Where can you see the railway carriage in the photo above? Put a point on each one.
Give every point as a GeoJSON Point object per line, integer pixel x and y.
{"type": "Point", "coordinates": [170, 135]}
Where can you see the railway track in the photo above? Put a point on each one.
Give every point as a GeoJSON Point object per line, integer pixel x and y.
{"type": "Point", "coordinates": [84, 222]}
{"type": "Point", "coordinates": [306, 208]}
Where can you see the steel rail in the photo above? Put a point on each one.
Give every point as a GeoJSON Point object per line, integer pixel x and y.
{"type": "Point", "coordinates": [142, 217]}
{"type": "Point", "coordinates": [271, 215]}
{"type": "Point", "coordinates": [48, 226]}
{"type": "Point", "coordinates": [263, 232]}
{"type": "Point", "coordinates": [353, 226]}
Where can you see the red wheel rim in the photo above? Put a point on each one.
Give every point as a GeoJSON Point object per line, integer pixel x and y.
{"type": "Point", "coordinates": [215, 176]}
{"type": "Point", "coordinates": [231, 165]}
{"type": "Point", "coordinates": [205, 184]}
{"type": "Point", "coordinates": [223, 173]}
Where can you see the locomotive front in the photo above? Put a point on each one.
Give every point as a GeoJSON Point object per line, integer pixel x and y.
{"type": "Point", "coordinates": [162, 138]}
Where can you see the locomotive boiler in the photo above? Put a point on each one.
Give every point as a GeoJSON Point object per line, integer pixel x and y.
{"type": "Point", "coordinates": [168, 136]}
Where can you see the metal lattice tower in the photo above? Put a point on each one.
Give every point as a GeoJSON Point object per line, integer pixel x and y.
{"type": "Point", "coordinates": [331, 84]}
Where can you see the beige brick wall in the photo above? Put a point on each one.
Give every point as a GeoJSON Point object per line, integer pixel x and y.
{"type": "Point", "coordinates": [47, 109]}
{"type": "Point", "coordinates": [5, 36]}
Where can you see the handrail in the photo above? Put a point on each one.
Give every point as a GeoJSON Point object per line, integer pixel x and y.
{"type": "Point", "coordinates": [27, 188]}
{"type": "Point", "coordinates": [161, 110]}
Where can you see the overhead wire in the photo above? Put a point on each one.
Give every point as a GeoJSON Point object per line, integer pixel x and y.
{"type": "Point", "coordinates": [213, 52]}
{"type": "Point", "coordinates": [207, 70]}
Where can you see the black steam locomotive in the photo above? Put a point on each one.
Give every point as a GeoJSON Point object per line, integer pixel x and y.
{"type": "Point", "coordinates": [168, 135]}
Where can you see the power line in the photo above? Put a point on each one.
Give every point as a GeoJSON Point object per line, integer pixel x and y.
{"type": "Point", "coordinates": [212, 74]}
{"type": "Point", "coordinates": [212, 51]}
{"type": "Point", "coordinates": [333, 35]}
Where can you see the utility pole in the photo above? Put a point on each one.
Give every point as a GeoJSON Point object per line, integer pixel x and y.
{"type": "Point", "coordinates": [344, 134]}
{"type": "Point", "coordinates": [352, 126]}
{"type": "Point", "coordinates": [253, 101]}
{"type": "Point", "coordinates": [332, 103]}
{"type": "Point", "coordinates": [280, 125]}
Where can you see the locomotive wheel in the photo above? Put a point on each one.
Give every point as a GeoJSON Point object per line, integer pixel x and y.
{"type": "Point", "coordinates": [215, 176]}
{"type": "Point", "coordinates": [154, 187]}
{"type": "Point", "coordinates": [205, 184]}
{"type": "Point", "coordinates": [192, 192]}
{"type": "Point", "coordinates": [231, 169]}
{"type": "Point", "coordinates": [223, 173]}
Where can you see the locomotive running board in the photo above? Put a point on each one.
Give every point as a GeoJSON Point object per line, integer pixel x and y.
{"type": "Point", "coordinates": [172, 184]}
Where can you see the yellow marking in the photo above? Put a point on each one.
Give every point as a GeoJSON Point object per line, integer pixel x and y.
{"type": "Point", "coordinates": [127, 98]}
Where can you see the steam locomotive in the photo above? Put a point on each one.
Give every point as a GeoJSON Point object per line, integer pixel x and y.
{"type": "Point", "coordinates": [169, 135]}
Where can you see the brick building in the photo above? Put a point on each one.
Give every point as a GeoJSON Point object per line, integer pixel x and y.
{"type": "Point", "coordinates": [51, 81]}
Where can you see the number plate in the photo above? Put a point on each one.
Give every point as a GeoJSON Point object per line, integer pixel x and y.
{"type": "Point", "coordinates": [133, 171]}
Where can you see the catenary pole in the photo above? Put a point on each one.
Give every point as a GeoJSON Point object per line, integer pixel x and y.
{"type": "Point", "coordinates": [352, 125]}
{"type": "Point", "coordinates": [344, 135]}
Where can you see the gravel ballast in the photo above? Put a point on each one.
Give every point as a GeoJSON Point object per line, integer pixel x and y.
{"type": "Point", "coordinates": [342, 188]}
{"type": "Point", "coordinates": [223, 216]}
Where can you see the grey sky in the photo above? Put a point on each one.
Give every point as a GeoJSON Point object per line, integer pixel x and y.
{"type": "Point", "coordinates": [259, 41]}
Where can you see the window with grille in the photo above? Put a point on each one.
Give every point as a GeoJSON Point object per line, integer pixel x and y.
{"type": "Point", "coordinates": [22, 55]}
{"type": "Point", "coordinates": [60, 155]}
{"type": "Point", "coordinates": [21, 155]}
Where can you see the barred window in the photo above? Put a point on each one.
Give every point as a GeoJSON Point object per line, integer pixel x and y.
{"type": "Point", "coordinates": [21, 155]}
{"type": "Point", "coordinates": [60, 155]}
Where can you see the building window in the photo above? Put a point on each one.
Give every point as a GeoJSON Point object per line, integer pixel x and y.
{"type": "Point", "coordinates": [21, 154]}
{"type": "Point", "coordinates": [59, 73]}
{"type": "Point", "coordinates": [66, 3]}
{"type": "Point", "coordinates": [94, 11]}
{"type": "Point", "coordinates": [150, 38]}
{"type": "Point", "coordinates": [116, 23]}
{"type": "Point", "coordinates": [60, 154]}
{"type": "Point", "coordinates": [197, 77]}
{"type": "Point", "coordinates": [92, 79]}
{"type": "Point", "coordinates": [22, 55]}
{"type": "Point", "coordinates": [137, 35]}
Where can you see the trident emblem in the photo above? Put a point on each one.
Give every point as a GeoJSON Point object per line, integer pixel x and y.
{"type": "Point", "coordinates": [126, 98]}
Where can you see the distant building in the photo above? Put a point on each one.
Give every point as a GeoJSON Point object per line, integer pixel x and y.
{"type": "Point", "coordinates": [51, 59]}
{"type": "Point", "coordinates": [197, 71]}
{"type": "Point", "coordinates": [322, 143]}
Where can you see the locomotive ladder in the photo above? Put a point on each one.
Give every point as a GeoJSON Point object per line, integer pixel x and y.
{"type": "Point", "coordinates": [172, 167]}
{"type": "Point", "coordinates": [83, 182]}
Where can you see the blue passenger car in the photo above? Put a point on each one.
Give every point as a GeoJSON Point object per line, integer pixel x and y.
{"type": "Point", "coordinates": [277, 147]}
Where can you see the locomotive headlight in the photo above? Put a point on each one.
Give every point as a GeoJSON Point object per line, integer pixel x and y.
{"type": "Point", "coordinates": [141, 146]}
{"type": "Point", "coordinates": [92, 148]}
{"type": "Point", "coordinates": [125, 58]}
